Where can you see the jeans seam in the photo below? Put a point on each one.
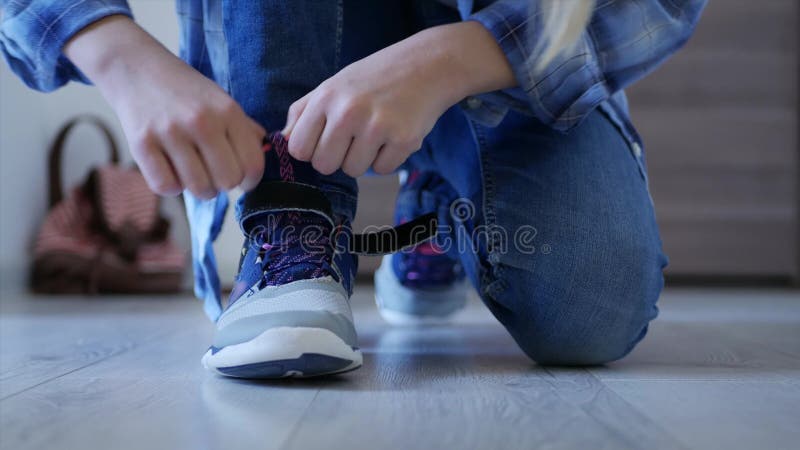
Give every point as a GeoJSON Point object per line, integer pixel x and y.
{"type": "Point", "coordinates": [347, 195]}
{"type": "Point", "coordinates": [630, 143]}
{"type": "Point", "coordinates": [639, 160]}
{"type": "Point", "coordinates": [339, 31]}
{"type": "Point", "coordinates": [492, 278]}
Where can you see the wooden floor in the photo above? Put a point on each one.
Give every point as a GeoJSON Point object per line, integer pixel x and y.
{"type": "Point", "coordinates": [720, 369]}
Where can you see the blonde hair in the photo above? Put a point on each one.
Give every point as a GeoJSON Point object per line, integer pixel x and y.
{"type": "Point", "coordinates": [563, 21]}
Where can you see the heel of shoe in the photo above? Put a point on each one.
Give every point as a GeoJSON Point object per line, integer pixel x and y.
{"type": "Point", "coordinates": [400, 305]}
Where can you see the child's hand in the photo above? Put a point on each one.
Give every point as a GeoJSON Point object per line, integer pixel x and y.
{"type": "Point", "coordinates": [186, 133]}
{"type": "Point", "coordinates": [183, 130]}
{"type": "Point", "coordinates": [376, 111]}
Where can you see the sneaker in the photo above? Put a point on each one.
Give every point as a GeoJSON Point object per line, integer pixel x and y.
{"type": "Point", "coordinates": [289, 313]}
{"type": "Point", "coordinates": [423, 285]}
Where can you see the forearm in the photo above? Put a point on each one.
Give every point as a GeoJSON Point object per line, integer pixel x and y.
{"type": "Point", "coordinates": [477, 63]}
{"type": "Point", "coordinates": [183, 130]}
{"type": "Point", "coordinates": [464, 59]}
{"type": "Point", "coordinates": [377, 111]}
{"type": "Point", "coordinates": [115, 49]}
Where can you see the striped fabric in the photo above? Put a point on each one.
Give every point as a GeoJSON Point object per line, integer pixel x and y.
{"type": "Point", "coordinates": [108, 227]}
{"type": "Point", "coordinates": [66, 228]}
{"type": "Point", "coordinates": [124, 198]}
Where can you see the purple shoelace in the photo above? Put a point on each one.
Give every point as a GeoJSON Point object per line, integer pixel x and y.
{"type": "Point", "coordinates": [298, 247]}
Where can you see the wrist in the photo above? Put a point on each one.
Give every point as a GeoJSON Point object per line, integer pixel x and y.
{"type": "Point", "coordinates": [472, 61]}
{"type": "Point", "coordinates": [113, 50]}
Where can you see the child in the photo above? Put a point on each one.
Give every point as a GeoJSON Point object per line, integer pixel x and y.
{"type": "Point", "coordinates": [507, 118]}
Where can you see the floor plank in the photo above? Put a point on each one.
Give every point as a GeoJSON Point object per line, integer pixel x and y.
{"type": "Point", "coordinates": [719, 369]}
{"type": "Point", "coordinates": [153, 396]}
{"type": "Point", "coordinates": [29, 355]}
{"type": "Point", "coordinates": [469, 388]}
{"type": "Point", "coordinates": [729, 414]}
{"type": "Point", "coordinates": [718, 335]}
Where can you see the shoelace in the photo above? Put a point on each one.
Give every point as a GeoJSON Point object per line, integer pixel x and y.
{"type": "Point", "coordinates": [278, 259]}
{"type": "Point", "coordinates": [308, 253]}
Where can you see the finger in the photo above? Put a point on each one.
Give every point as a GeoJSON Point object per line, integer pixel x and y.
{"type": "Point", "coordinates": [331, 149]}
{"type": "Point", "coordinates": [255, 126]}
{"type": "Point", "coordinates": [158, 172]}
{"type": "Point", "coordinates": [295, 111]}
{"type": "Point", "coordinates": [360, 156]}
{"type": "Point", "coordinates": [221, 160]}
{"type": "Point", "coordinates": [389, 158]}
{"type": "Point", "coordinates": [189, 166]}
{"type": "Point", "coordinates": [247, 147]}
{"type": "Point", "coordinates": [307, 132]}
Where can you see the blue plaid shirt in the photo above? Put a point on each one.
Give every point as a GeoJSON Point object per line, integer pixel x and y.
{"type": "Point", "coordinates": [625, 40]}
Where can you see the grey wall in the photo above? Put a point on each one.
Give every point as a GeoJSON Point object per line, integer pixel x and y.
{"type": "Point", "coordinates": [720, 123]}
{"type": "Point", "coordinates": [29, 121]}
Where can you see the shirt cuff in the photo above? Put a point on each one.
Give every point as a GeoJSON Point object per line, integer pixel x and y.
{"type": "Point", "coordinates": [561, 94]}
{"type": "Point", "coordinates": [45, 38]}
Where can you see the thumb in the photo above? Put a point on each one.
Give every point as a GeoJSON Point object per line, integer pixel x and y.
{"type": "Point", "coordinates": [295, 111]}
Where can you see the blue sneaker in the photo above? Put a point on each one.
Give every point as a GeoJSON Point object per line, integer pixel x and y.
{"type": "Point", "coordinates": [422, 285]}
{"type": "Point", "coordinates": [289, 313]}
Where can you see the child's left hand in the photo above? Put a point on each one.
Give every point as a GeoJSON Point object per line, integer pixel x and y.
{"type": "Point", "coordinates": [376, 111]}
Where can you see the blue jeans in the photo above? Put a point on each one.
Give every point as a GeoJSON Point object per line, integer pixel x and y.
{"type": "Point", "coordinates": [555, 231]}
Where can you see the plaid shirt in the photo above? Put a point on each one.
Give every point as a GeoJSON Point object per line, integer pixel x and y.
{"type": "Point", "coordinates": [625, 40]}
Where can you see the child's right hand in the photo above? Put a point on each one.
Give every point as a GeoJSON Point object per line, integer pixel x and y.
{"type": "Point", "coordinates": [183, 130]}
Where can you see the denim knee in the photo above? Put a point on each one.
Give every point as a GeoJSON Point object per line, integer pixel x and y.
{"type": "Point", "coordinates": [574, 346]}
{"type": "Point", "coordinates": [575, 311]}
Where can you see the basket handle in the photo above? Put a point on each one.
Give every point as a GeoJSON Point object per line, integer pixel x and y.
{"type": "Point", "coordinates": [57, 150]}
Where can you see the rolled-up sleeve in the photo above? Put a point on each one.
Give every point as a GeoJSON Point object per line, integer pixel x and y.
{"type": "Point", "coordinates": [624, 41]}
{"type": "Point", "coordinates": [33, 33]}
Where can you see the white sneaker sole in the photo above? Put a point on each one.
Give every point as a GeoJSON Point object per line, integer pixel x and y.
{"type": "Point", "coordinates": [402, 319]}
{"type": "Point", "coordinates": [285, 352]}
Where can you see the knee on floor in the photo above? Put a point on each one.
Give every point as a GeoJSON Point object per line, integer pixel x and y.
{"type": "Point", "coordinates": [591, 319]}
{"type": "Point", "coordinates": [577, 347]}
